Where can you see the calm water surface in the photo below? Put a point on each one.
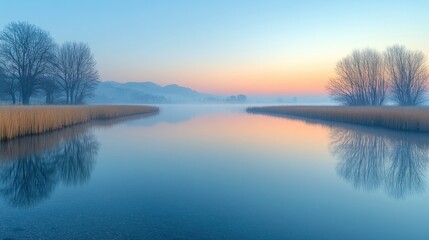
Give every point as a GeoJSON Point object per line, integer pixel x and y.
{"type": "Point", "coordinates": [215, 172]}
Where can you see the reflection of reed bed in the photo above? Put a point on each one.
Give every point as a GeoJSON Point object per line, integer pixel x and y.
{"type": "Point", "coordinates": [114, 121]}
{"type": "Point", "coordinates": [21, 121]}
{"type": "Point", "coordinates": [397, 118]}
{"type": "Point", "coordinates": [37, 144]}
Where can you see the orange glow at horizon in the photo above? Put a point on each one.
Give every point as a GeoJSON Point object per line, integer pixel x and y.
{"type": "Point", "coordinates": [304, 79]}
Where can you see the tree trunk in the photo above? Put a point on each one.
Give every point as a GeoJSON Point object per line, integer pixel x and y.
{"type": "Point", "coordinates": [26, 100]}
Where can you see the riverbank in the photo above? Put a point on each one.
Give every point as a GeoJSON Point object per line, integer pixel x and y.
{"type": "Point", "coordinates": [18, 121]}
{"type": "Point", "coordinates": [415, 119]}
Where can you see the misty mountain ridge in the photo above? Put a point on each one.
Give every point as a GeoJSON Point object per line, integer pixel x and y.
{"type": "Point", "coordinates": [144, 92]}
{"type": "Point", "coordinates": [112, 92]}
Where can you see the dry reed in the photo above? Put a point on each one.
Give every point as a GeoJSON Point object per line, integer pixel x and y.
{"type": "Point", "coordinates": [414, 119]}
{"type": "Point", "coordinates": [21, 121]}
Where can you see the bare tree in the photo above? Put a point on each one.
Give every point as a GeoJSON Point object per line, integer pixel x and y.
{"type": "Point", "coordinates": [76, 71]}
{"type": "Point", "coordinates": [25, 53]}
{"type": "Point", "coordinates": [8, 86]}
{"type": "Point", "coordinates": [406, 71]}
{"type": "Point", "coordinates": [50, 89]}
{"type": "Point", "coordinates": [360, 79]}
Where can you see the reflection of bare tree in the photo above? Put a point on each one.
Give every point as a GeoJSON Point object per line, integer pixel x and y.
{"type": "Point", "coordinates": [373, 159]}
{"type": "Point", "coordinates": [76, 160]}
{"type": "Point", "coordinates": [28, 180]}
{"type": "Point", "coordinates": [31, 167]}
{"type": "Point", "coordinates": [363, 157]}
{"type": "Point", "coordinates": [31, 178]}
{"type": "Point", "coordinates": [408, 161]}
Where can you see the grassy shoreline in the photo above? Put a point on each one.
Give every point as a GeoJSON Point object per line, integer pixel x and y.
{"type": "Point", "coordinates": [415, 119]}
{"type": "Point", "coordinates": [18, 121]}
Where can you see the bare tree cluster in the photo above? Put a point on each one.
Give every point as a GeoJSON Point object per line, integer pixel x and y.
{"type": "Point", "coordinates": [360, 79]}
{"type": "Point", "coordinates": [367, 77]}
{"type": "Point", "coordinates": [75, 71]}
{"type": "Point", "coordinates": [407, 73]}
{"type": "Point", "coordinates": [31, 64]}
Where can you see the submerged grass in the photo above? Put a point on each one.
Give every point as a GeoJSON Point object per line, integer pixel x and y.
{"type": "Point", "coordinates": [414, 119]}
{"type": "Point", "coordinates": [21, 121]}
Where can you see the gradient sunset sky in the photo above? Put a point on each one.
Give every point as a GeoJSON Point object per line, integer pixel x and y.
{"type": "Point", "coordinates": [226, 46]}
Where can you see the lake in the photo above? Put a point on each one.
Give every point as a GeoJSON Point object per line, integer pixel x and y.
{"type": "Point", "coordinates": [215, 172]}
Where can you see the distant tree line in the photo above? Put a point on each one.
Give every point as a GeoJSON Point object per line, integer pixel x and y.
{"type": "Point", "coordinates": [369, 78]}
{"type": "Point", "coordinates": [32, 64]}
{"type": "Point", "coordinates": [236, 99]}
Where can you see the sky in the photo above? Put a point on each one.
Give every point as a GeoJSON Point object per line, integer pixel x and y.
{"type": "Point", "coordinates": [226, 46]}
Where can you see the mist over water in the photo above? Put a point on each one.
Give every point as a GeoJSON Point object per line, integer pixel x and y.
{"type": "Point", "coordinates": [215, 172]}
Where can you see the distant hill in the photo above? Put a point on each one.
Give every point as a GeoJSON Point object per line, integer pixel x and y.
{"type": "Point", "coordinates": [144, 92]}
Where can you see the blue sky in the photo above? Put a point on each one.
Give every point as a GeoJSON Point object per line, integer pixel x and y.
{"type": "Point", "coordinates": [226, 46]}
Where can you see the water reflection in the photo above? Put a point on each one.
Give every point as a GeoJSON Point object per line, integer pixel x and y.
{"type": "Point", "coordinates": [362, 157]}
{"type": "Point", "coordinates": [372, 159]}
{"type": "Point", "coordinates": [31, 167]}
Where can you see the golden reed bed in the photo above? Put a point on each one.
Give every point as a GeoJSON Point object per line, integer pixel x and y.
{"type": "Point", "coordinates": [414, 119]}
{"type": "Point", "coordinates": [21, 121]}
